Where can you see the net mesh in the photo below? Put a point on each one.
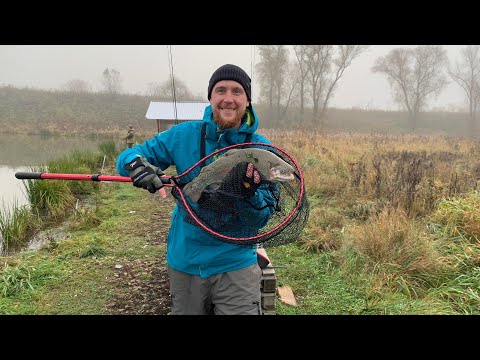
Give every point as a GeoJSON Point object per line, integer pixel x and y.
{"type": "Point", "coordinates": [241, 212]}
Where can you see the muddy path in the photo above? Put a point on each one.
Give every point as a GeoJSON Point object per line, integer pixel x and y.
{"type": "Point", "coordinates": [144, 281]}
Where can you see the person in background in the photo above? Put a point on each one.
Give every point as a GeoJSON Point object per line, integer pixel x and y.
{"type": "Point", "coordinates": [208, 276]}
{"type": "Point", "coordinates": [129, 139]}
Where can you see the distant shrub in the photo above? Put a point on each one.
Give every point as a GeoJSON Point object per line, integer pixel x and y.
{"type": "Point", "coordinates": [108, 148]}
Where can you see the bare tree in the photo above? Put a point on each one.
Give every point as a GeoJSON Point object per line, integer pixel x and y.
{"type": "Point", "coordinates": [112, 81]}
{"type": "Point", "coordinates": [326, 65]}
{"type": "Point", "coordinates": [319, 60]}
{"type": "Point", "coordinates": [77, 86]}
{"type": "Point", "coordinates": [164, 91]}
{"type": "Point", "coordinates": [287, 91]}
{"type": "Point", "coordinates": [302, 65]}
{"type": "Point", "coordinates": [266, 72]}
{"type": "Point", "coordinates": [272, 72]}
{"type": "Point", "coordinates": [414, 75]}
{"type": "Point", "coordinates": [467, 75]}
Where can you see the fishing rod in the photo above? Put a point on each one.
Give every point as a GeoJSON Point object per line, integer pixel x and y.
{"type": "Point", "coordinates": [84, 177]}
{"type": "Point", "coordinates": [223, 214]}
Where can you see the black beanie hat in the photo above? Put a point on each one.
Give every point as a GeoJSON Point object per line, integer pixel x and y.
{"type": "Point", "coordinates": [230, 72]}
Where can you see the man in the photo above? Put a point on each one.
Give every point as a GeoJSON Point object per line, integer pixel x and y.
{"type": "Point", "coordinates": [130, 136]}
{"type": "Point", "coordinates": [207, 275]}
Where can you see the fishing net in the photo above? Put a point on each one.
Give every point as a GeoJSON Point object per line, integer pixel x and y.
{"type": "Point", "coordinates": [240, 213]}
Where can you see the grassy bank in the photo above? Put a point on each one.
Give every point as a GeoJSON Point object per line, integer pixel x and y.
{"type": "Point", "coordinates": [92, 268]}
{"type": "Point", "coordinates": [393, 229]}
{"type": "Point", "coordinates": [85, 271]}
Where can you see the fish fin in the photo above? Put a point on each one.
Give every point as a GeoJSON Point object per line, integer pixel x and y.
{"type": "Point", "coordinates": [194, 192]}
{"type": "Point", "coordinates": [194, 195]}
{"type": "Point", "coordinates": [215, 185]}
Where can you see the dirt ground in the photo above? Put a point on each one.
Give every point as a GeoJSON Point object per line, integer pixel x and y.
{"type": "Point", "coordinates": [145, 281]}
{"type": "Point", "coordinates": [144, 297]}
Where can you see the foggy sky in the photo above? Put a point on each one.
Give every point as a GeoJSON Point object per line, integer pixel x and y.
{"type": "Point", "coordinates": [51, 66]}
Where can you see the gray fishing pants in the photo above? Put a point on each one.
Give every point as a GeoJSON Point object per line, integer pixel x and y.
{"type": "Point", "coordinates": [231, 293]}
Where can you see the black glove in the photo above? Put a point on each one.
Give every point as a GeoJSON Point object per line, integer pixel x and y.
{"type": "Point", "coordinates": [144, 174]}
{"type": "Point", "coordinates": [242, 181]}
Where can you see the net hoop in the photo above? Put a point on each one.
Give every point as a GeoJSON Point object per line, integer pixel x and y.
{"type": "Point", "coordinates": [252, 238]}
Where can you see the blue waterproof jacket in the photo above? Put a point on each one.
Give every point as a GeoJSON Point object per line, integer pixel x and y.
{"type": "Point", "coordinates": [189, 248]}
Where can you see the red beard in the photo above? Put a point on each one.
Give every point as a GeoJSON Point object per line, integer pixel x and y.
{"type": "Point", "coordinates": [226, 124]}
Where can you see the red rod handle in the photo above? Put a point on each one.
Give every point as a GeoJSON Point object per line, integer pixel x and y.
{"type": "Point", "coordinates": [93, 177]}
{"type": "Point", "coordinates": [87, 177]}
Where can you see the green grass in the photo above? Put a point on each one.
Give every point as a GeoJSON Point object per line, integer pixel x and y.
{"type": "Point", "coordinates": [317, 282]}
{"type": "Point", "coordinates": [459, 217]}
{"type": "Point", "coordinates": [323, 287]}
{"type": "Point", "coordinates": [351, 260]}
{"type": "Point", "coordinates": [108, 148]}
{"type": "Point", "coordinates": [71, 275]}
{"type": "Point", "coordinates": [78, 162]}
{"type": "Point", "coordinates": [16, 224]}
{"type": "Point", "coordinates": [49, 198]}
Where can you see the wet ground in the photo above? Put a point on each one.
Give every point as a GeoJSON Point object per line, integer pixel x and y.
{"type": "Point", "coordinates": [145, 281]}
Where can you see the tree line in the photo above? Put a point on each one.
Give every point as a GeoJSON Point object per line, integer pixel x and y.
{"type": "Point", "coordinates": [45, 111]}
{"type": "Point", "coordinates": [111, 82]}
{"type": "Point", "coordinates": [415, 75]}
{"type": "Point", "coordinates": [298, 81]}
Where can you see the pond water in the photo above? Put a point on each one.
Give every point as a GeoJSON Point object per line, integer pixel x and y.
{"type": "Point", "coordinates": [21, 152]}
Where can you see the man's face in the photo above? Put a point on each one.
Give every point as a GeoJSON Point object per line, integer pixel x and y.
{"type": "Point", "coordinates": [229, 102]}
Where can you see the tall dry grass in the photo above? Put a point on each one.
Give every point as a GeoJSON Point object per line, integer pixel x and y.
{"type": "Point", "coordinates": [460, 217]}
{"type": "Point", "coordinates": [372, 196]}
{"type": "Point", "coordinates": [398, 252]}
{"type": "Point", "coordinates": [412, 172]}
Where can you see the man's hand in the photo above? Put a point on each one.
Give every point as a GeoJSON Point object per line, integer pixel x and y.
{"type": "Point", "coordinates": [144, 175]}
{"type": "Point", "coordinates": [242, 181]}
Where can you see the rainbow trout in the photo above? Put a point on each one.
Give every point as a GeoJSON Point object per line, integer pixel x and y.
{"type": "Point", "coordinates": [271, 166]}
